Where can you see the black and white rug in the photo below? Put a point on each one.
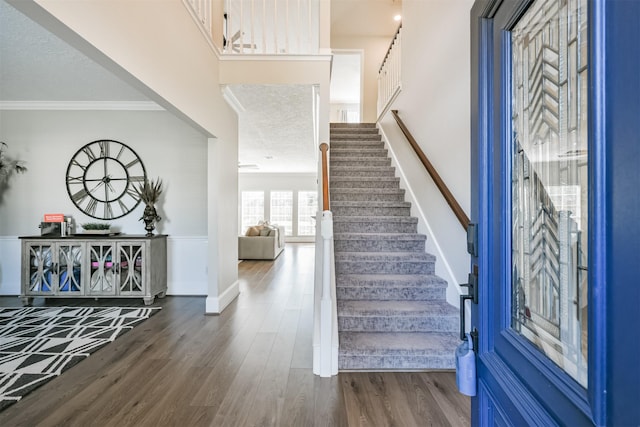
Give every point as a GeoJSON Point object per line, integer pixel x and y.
{"type": "Point", "coordinates": [39, 343]}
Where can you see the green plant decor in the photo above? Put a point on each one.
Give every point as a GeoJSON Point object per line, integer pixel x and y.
{"type": "Point", "coordinates": [9, 166]}
{"type": "Point", "coordinates": [149, 192]}
{"type": "Point", "coordinates": [96, 226]}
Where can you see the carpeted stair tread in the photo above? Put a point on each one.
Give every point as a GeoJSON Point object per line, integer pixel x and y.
{"type": "Point", "coordinates": [377, 236]}
{"type": "Point", "coordinates": [371, 208]}
{"type": "Point", "coordinates": [390, 280]}
{"type": "Point", "coordinates": [359, 161]}
{"type": "Point", "coordinates": [401, 287]}
{"type": "Point", "coordinates": [397, 308]}
{"type": "Point", "coordinates": [366, 171]}
{"type": "Point", "coordinates": [401, 316]}
{"type": "Point", "coordinates": [370, 203]}
{"type": "Point", "coordinates": [364, 182]}
{"type": "Point", "coordinates": [355, 136]}
{"type": "Point", "coordinates": [362, 143]}
{"type": "Point", "coordinates": [384, 256]}
{"type": "Point", "coordinates": [390, 344]}
{"type": "Point", "coordinates": [359, 152]}
{"type": "Point", "coordinates": [350, 194]}
{"type": "Point", "coordinates": [389, 351]}
{"type": "Point", "coordinates": [354, 129]}
{"type": "Point", "coordinates": [384, 263]}
{"type": "Point", "coordinates": [353, 125]}
{"type": "Point", "coordinates": [379, 242]}
{"type": "Point", "coordinates": [378, 224]}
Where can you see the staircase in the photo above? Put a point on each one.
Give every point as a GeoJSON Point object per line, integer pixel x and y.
{"type": "Point", "coordinates": [392, 312]}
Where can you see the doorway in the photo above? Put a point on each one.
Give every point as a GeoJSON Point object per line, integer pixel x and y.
{"type": "Point", "coordinates": [346, 86]}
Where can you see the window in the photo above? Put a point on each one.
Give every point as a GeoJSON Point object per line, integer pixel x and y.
{"type": "Point", "coordinates": [252, 208]}
{"type": "Point", "coordinates": [307, 207]}
{"type": "Point", "coordinates": [282, 210]}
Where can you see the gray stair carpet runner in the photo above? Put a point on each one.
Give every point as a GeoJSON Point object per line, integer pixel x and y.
{"type": "Point", "coordinates": [392, 311]}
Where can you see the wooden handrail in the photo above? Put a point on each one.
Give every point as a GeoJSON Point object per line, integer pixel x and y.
{"type": "Point", "coordinates": [324, 147]}
{"type": "Point", "coordinates": [453, 203]}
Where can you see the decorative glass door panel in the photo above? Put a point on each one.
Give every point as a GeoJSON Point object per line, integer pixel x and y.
{"type": "Point", "coordinates": [549, 181]}
{"type": "Point", "coordinates": [69, 268]}
{"type": "Point", "coordinates": [102, 271]}
{"type": "Point", "coordinates": [41, 268]}
{"type": "Point", "coordinates": [130, 258]}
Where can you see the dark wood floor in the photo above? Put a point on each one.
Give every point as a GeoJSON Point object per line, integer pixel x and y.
{"type": "Point", "coordinates": [249, 366]}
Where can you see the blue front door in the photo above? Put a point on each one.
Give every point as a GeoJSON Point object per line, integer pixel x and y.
{"type": "Point", "coordinates": [556, 196]}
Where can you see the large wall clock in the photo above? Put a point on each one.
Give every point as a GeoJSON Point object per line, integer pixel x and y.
{"type": "Point", "coordinates": [101, 176]}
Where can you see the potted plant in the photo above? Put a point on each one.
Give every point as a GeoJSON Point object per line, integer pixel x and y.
{"type": "Point", "coordinates": [149, 192]}
{"type": "Point", "coordinates": [96, 228]}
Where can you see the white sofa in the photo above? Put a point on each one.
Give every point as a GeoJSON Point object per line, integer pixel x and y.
{"type": "Point", "coordinates": [262, 247]}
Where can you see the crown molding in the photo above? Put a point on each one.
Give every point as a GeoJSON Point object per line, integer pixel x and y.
{"type": "Point", "coordinates": [81, 105]}
{"type": "Point", "coordinates": [231, 99]}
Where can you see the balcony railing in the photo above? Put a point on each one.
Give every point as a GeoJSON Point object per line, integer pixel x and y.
{"type": "Point", "coordinates": [389, 76]}
{"type": "Point", "coordinates": [262, 27]}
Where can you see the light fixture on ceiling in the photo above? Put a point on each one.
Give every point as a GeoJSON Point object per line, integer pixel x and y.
{"type": "Point", "coordinates": [397, 18]}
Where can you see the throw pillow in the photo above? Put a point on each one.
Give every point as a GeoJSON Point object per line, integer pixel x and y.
{"type": "Point", "coordinates": [252, 231]}
{"type": "Point", "coordinates": [265, 231]}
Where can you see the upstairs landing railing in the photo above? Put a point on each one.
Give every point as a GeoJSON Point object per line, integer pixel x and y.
{"type": "Point", "coordinates": [261, 27]}
{"type": "Point", "coordinates": [389, 75]}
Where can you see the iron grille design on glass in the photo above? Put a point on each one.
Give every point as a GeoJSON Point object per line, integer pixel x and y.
{"type": "Point", "coordinates": [130, 267]}
{"type": "Point", "coordinates": [102, 270]}
{"type": "Point", "coordinates": [550, 181]}
{"type": "Point", "coordinates": [40, 268]}
{"type": "Point", "coordinates": [70, 268]}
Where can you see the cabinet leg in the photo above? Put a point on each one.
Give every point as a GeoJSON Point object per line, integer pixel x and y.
{"type": "Point", "coordinates": [27, 301]}
{"type": "Point", "coordinates": [149, 300]}
{"type": "Point", "coordinates": [162, 294]}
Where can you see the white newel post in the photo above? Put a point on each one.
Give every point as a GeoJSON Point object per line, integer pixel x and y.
{"type": "Point", "coordinates": [326, 307]}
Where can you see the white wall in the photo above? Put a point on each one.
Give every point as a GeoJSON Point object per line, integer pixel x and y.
{"type": "Point", "coordinates": [268, 182]}
{"type": "Point", "coordinates": [435, 104]}
{"type": "Point", "coordinates": [374, 48]}
{"type": "Point", "coordinates": [169, 149]}
{"type": "Point", "coordinates": [160, 51]}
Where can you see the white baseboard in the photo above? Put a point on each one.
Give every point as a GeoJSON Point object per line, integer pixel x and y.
{"type": "Point", "coordinates": [215, 305]}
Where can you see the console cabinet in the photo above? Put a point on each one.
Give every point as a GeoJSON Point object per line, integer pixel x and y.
{"type": "Point", "coordinates": [94, 266]}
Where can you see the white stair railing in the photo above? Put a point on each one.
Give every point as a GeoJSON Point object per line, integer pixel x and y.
{"type": "Point", "coordinates": [389, 75]}
{"type": "Point", "coordinates": [272, 27]}
{"type": "Point", "coordinates": [202, 12]}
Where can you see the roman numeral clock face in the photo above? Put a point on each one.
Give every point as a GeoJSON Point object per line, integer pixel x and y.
{"type": "Point", "coordinates": [101, 176]}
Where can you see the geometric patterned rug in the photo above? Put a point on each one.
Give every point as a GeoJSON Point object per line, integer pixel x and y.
{"type": "Point", "coordinates": [39, 343]}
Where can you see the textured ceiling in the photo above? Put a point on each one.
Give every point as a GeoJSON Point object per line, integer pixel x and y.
{"type": "Point", "coordinates": [276, 128]}
{"type": "Point", "coordinates": [37, 66]}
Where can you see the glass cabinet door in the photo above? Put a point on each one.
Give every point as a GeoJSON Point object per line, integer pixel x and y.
{"type": "Point", "coordinates": [69, 259]}
{"type": "Point", "coordinates": [131, 271]}
{"type": "Point", "coordinates": [41, 274]}
{"type": "Point", "coordinates": [102, 269]}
